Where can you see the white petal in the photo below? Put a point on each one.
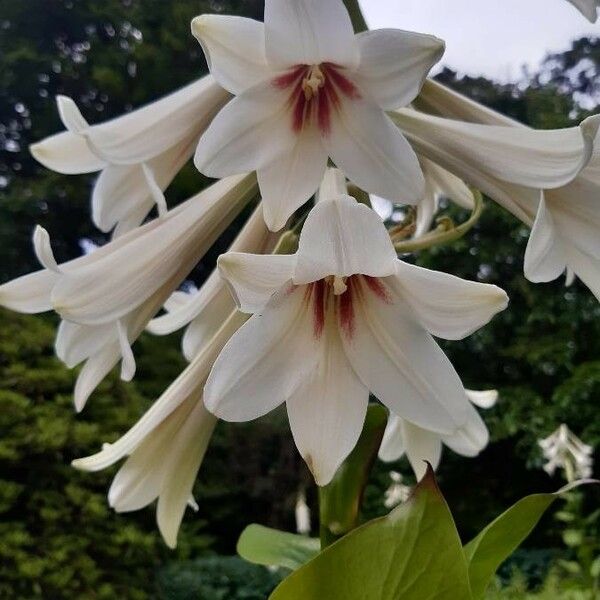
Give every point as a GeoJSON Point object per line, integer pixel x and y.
{"type": "Point", "coordinates": [395, 63]}
{"type": "Point", "coordinates": [75, 343]}
{"type": "Point", "coordinates": [447, 306]}
{"type": "Point", "coordinates": [392, 445]}
{"type": "Point", "coordinates": [43, 249]}
{"type": "Point", "coordinates": [128, 360]}
{"type": "Point", "coordinates": [188, 385]}
{"type": "Point", "coordinates": [327, 411]}
{"type": "Point", "coordinates": [213, 291]}
{"type": "Point", "coordinates": [333, 185]}
{"type": "Point", "coordinates": [309, 32]}
{"type": "Point", "coordinates": [384, 208]}
{"type": "Point", "coordinates": [29, 293]}
{"type": "Point", "coordinates": [131, 269]}
{"type": "Point", "coordinates": [544, 256]}
{"type": "Point", "coordinates": [254, 237]}
{"type": "Point", "coordinates": [390, 351]}
{"type": "Point", "coordinates": [471, 438]}
{"type": "Point", "coordinates": [437, 99]}
{"type": "Point", "coordinates": [265, 361]}
{"type": "Point", "coordinates": [177, 301]}
{"type": "Point", "coordinates": [523, 156]}
{"type": "Point", "coordinates": [66, 153]}
{"type": "Point", "coordinates": [117, 191]}
{"type": "Point", "coordinates": [255, 278]}
{"type": "Point", "coordinates": [422, 447]}
{"type": "Point", "coordinates": [447, 185]}
{"type": "Point", "coordinates": [291, 179]}
{"type": "Point", "coordinates": [234, 49]}
{"type": "Point", "coordinates": [122, 191]}
{"type": "Point", "coordinates": [186, 455]}
{"type": "Point", "coordinates": [96, 368]}
{"type": "Point", "coordinates": [253, 130]}
{"type": "Point", "coordinates": [139, 481]}
{"type": "Point", "coordinates": [483, 399]}
{"type": "Point", "coordinates": [586, 267]}
{"type": "Point", "coordinates": [202, 329]}
{"type": "Point", "coordinates": [151, 130]}
{"type": "Point", "coordinates": [588, 8]}
{"type": "Point", "coordinates": [373, 154]}
{"type": "Point", "coordinates": [342, 237]}
{"type": "Point", "coordinates": [426, 211]}
{"type": "Point", "coordinates": [576, 211]}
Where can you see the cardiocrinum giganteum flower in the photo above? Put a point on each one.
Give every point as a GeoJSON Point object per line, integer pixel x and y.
{"type": "Point", "coordinates": [307, 88]}
{"type": "Point", "coordinates": [340, 318]}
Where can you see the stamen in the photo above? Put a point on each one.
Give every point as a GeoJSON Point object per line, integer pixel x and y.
{"type": "Point", "coordinates": [339, 285]}
{"type": "Point", "coordinates": [313, 82]}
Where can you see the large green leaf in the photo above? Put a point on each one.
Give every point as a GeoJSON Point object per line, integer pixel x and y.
{"type": "Point", "coordinates": [340, 501]}
{"type": "Point", "coordinates": [412, 554]}
{"type": "Point", "coordinates": [264, 546]}
{"type": "Point", "coordinates": [503, 536]}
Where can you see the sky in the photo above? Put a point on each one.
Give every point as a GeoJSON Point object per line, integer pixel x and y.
{"type": "Point", "coordinates": [487, 37]}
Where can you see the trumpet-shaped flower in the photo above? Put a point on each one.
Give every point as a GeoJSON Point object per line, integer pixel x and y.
{"type": "Point", "coordinates": [122, 285]}
{"type": "Point", "coordinates": [307, 89]}
{"type": "Point", "coordinates": [422, 446]}
{"type": "Point", "coordinates": [165, 448]}
{"type": "Point", "coordinates": [138, 154]}
{"type": "Point", "coordinates": [548, 179]}
{"type": "Point", "coordinates": [340, 318]}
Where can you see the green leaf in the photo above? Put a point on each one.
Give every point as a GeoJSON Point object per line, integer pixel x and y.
{"type": "Point", "coordinates": [502, 537]}
{"type": "Point", "coordinates": [414, 554]}
{"type": "Point", "coordinates": [264, 546]}
{"type": "Point", "coordinates": [340, 501]}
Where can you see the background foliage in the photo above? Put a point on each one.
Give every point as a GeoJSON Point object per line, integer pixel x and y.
{"type": "Point", "coordinates": [58, 539]}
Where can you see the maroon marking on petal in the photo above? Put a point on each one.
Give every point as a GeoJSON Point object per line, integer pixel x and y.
{"type": "Point", "coordinates": [318, 299]}
{"type": "Point", "coordinates": [346, 309]}
{"type": "Point", "coordinates": [378, 288]}
{"type": "Point", "coordinates": [324, 113]}
{"type": "Point", "coordinates": [345, 85]}
{"type": "Point", "coordinates": [299, 112]}
{"type": "Point", "coordinates": [289, 79]}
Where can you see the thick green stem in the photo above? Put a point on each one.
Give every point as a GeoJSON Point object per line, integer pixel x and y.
{"type": "Point", "coordinates": [443, 234]}
{"type": "Point", "coordinates": [358, 20]}
{"type": "Point", "coordinates": [340, 501]}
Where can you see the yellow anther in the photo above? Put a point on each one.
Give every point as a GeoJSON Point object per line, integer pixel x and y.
{"type": "Point", "coordinates": [313, 82]}
{"type": "Point", "coordinates": [339, 285]}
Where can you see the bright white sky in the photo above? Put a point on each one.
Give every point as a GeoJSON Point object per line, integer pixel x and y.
{"type": "Point", "coordinates": [489, 37]}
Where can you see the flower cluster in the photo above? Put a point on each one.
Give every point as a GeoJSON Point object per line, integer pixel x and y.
{"type": "Point", "coordinates": [564, 450]}
{"type": "Point", "coordinates": [326, 314]}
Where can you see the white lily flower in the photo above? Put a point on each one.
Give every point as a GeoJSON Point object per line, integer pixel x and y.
{"type": "Point", "coordinates": [340, 318]}
{"type": "Point", "coordinates": [165, 448]}
{"type": "Point", "coordinates": [307, 89]}
{"type": "Point", "coordinates": [548, 179]}
{"type": "Point", "coordinates": [564, 450]}
{"type": "Point", "coordinates": [422, 446]}
{"type": "Point", "coordinates": [120, 276]}
{"type": "Point", "coordinates": [139, 153]}
{"type": "Point", "coordinates": [439, 184]}
{"type": "Point", "coordinates": [588, 8]}
{"type": "Point", "coordinates": [204, 310]}
{"type": "Point", "coordinates": [144, 265]}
